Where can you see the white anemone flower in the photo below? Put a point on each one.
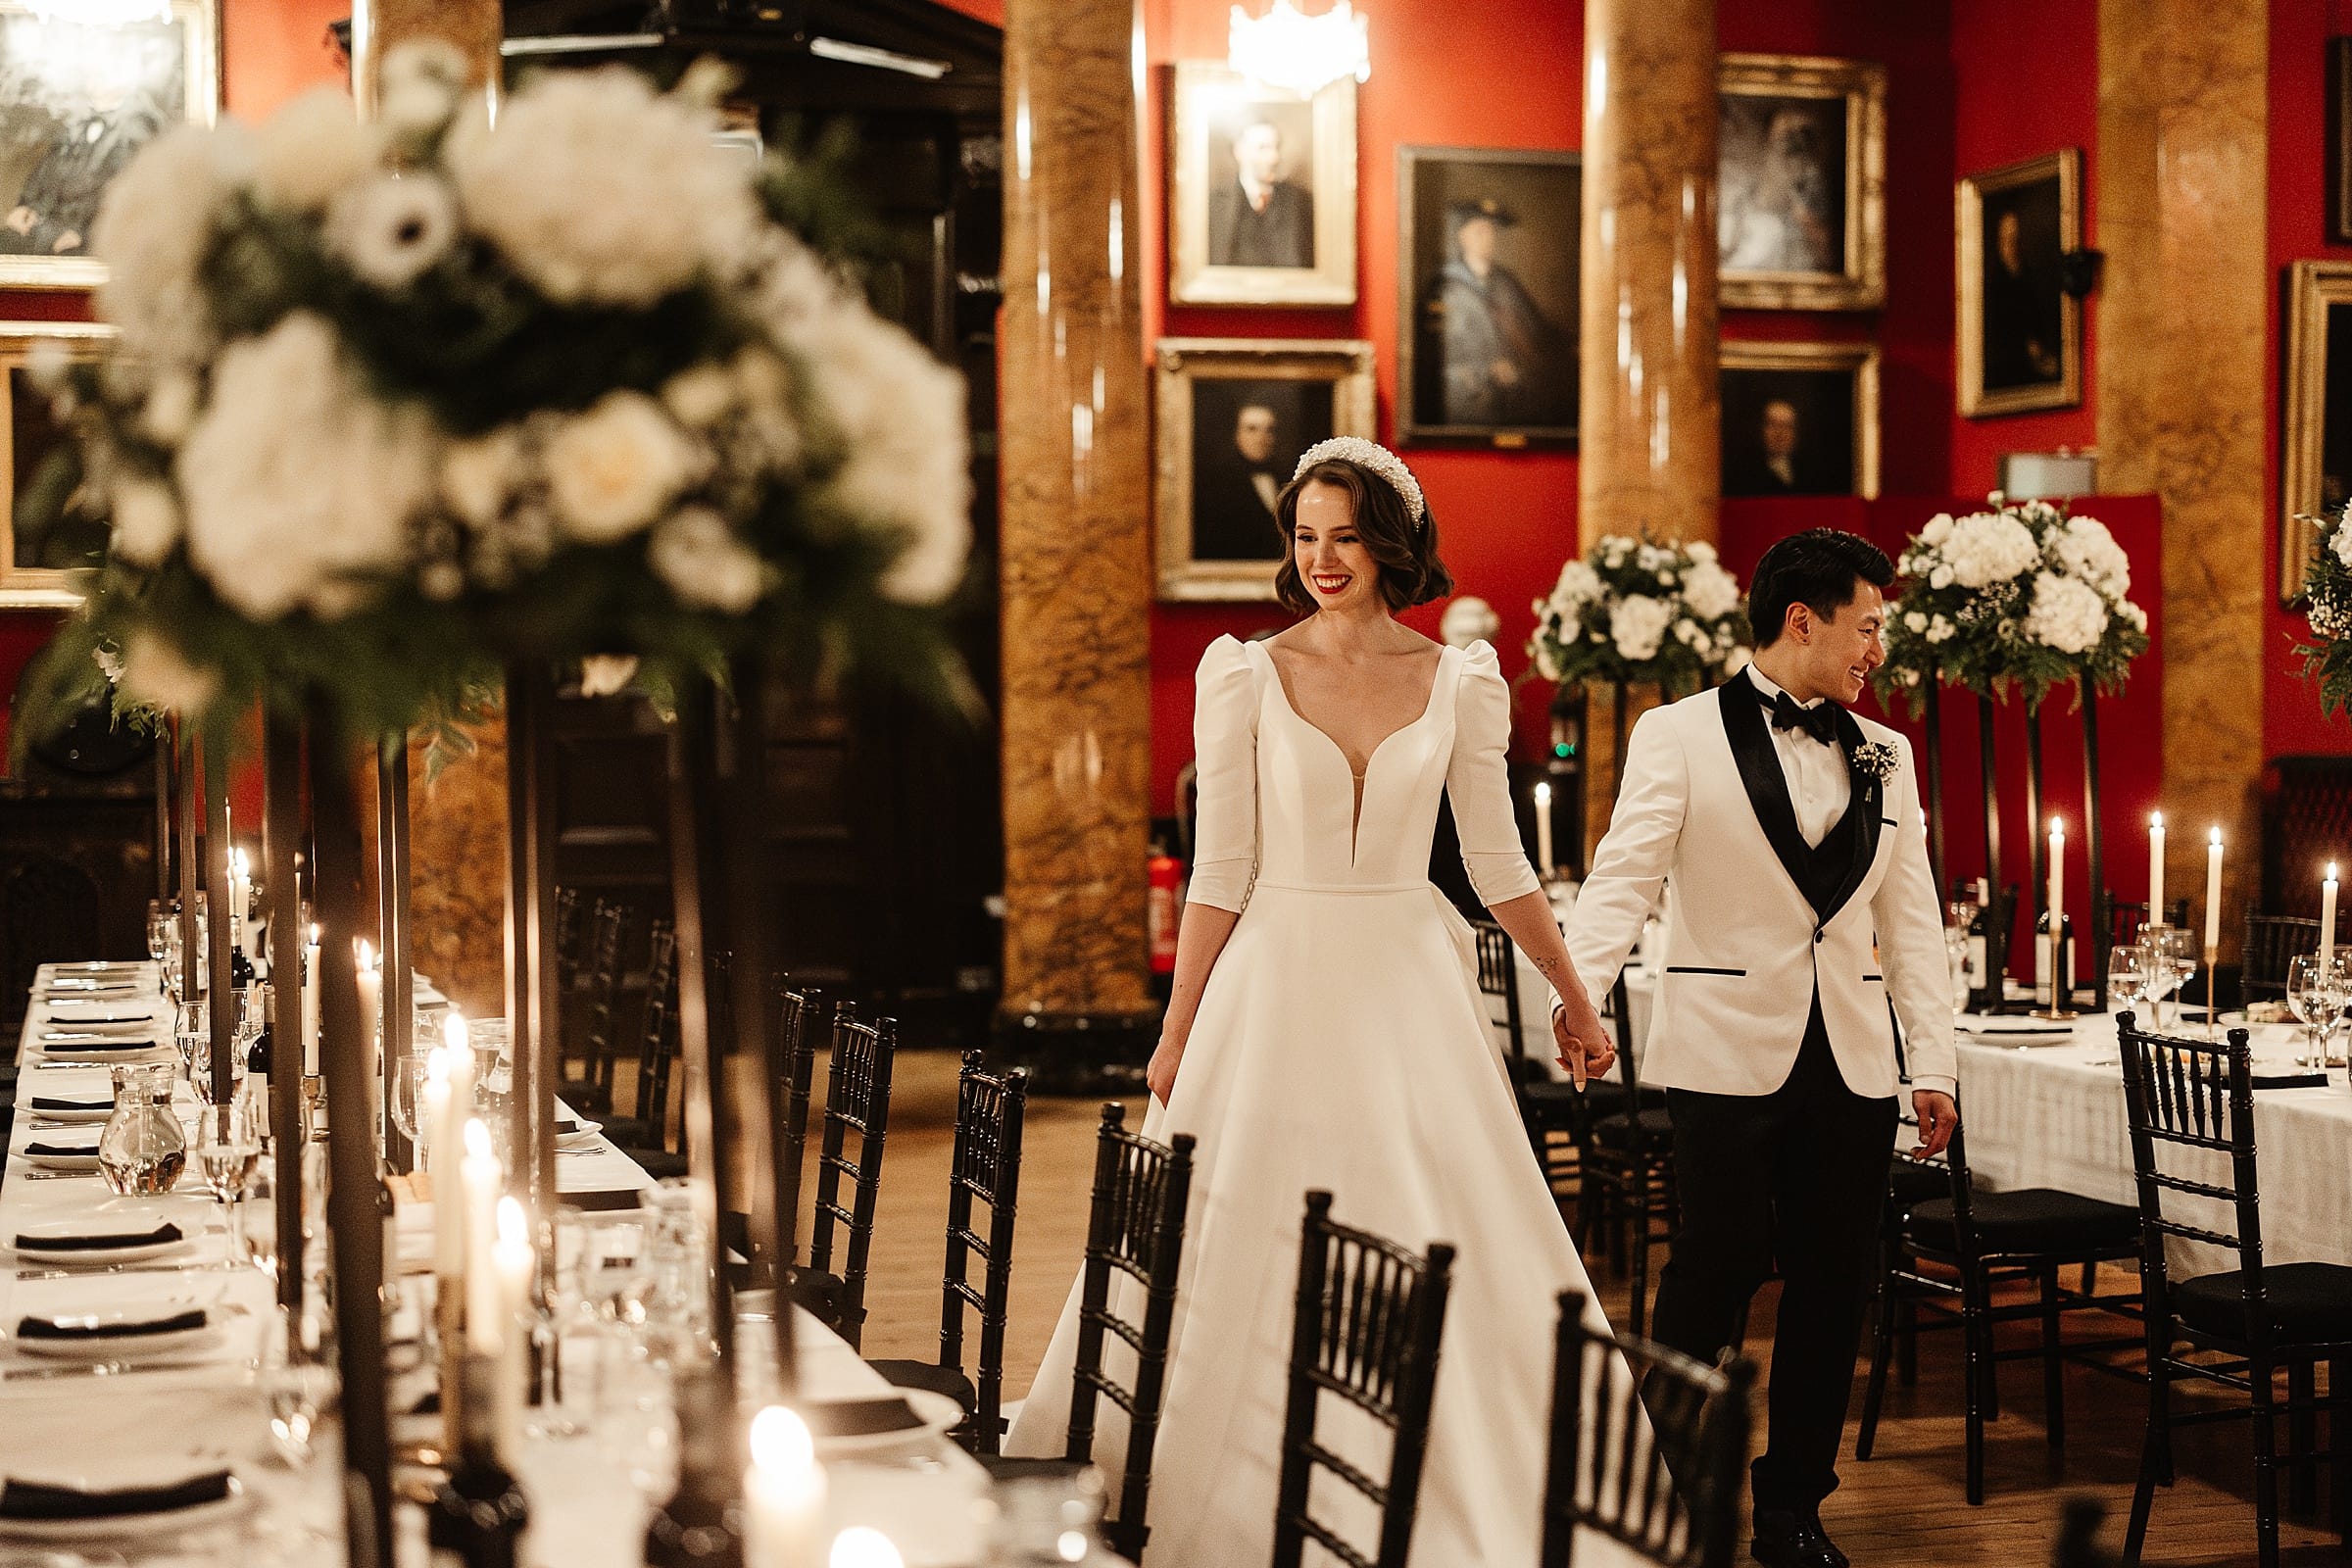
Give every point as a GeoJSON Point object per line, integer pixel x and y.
{"type": "Point", "coordinates": [393, 227]}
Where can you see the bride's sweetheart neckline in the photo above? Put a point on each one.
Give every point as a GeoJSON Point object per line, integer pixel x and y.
{"type": "Point", "coordinates": [1429, 706]}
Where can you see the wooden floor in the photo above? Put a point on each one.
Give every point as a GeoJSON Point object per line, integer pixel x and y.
{"type": "Point", "coordinates": [1903, 1508]}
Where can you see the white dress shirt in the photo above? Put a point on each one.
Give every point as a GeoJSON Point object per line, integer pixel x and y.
{"type": "Point", "coordinates": [1819, 786]}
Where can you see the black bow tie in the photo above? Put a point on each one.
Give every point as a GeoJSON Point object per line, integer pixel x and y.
{"type": "Point", "coordinates": [1819, 721]}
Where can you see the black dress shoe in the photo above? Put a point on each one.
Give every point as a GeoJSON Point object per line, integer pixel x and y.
{"type": "Point", "coordinates": [1788, 1540]}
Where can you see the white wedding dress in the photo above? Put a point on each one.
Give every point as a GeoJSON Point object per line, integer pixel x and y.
{"type": "Point", "coordinates": [1343, 1043]}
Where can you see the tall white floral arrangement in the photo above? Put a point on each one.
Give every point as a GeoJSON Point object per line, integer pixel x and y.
{"type": "Point", "coordinates": [2022, 592]}
{"type": "Point", "coordinates": [1634, 611]}
{"type": "Point", "coordinates": [392, 403]}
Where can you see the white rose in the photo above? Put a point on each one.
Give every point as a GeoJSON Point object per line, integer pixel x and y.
{"type": "Point", "coordinates": [700, 396]}
{"type": "Point", "coordinates": [1916, 620]}
{"type": "Point", "coordinates": [1941, 630]}
{"type": "Point", "coordinates": [2132, 613]}
{"type": "Point", "coordinates": [310, 150]}
{"type": "Point", "coordinates": [606, 674]}
{"type": "Point", "coordinates": [299, 482]}
{"type": "Point", "coordinates": [610, 470]}
{"type": "Point", "coordinates": [1580, 584]}
{"type": "Point", "coordinates": [157, 674]}
{"type": "Point", "coordinates": [2067, 614]}
{"type": "Point", "coordinates": [1548, 663]}
{"type": "Point", "coordinates": [1939, 529]}
{"type": "Point", "coordinates": [600, 192]}
{"type": "Point", "coordinates": [2091, 554]}
{"type": "Point", "coordinates": [146, 523]}
{"type": "Point", "coordinates": [1637, 625]}
{"type": "Point", "coordinates": [1701, 551]}
{"type": "Point", "coordinates": [2344, 544]}
{"type": "Point", "coordinates": [1941, 578]}
{"type": "Point", "coordinates": [393, 227]}
{"type": "Point", "coordinates": [1685, 631]}
{"type": "Point", "coordinates": [154, 226]}
{"type": "Point", "coordinates": [1711, 592]}
{"type": "Point", "coordinates": [171, 412]}
{"type": "Point", "coordinates": [698, 554]}
{"type": "Point", "coordinates": [478, 475]}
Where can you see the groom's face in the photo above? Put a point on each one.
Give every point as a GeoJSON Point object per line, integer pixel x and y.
{"type": "Point", "coordinates": [1837, 653]}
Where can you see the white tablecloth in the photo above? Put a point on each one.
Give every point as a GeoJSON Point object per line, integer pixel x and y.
{"type": "Point", "coordinates": [59, 1421]}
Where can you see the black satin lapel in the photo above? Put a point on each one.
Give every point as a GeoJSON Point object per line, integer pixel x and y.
{"type": "Point", "coordinates": [1860, 831]}
{"type": "Point", "coordinates": [1760, 771]}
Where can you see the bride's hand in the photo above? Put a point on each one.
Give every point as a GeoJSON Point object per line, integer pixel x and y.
{"type": "Point", "coordinates": [1160, 1073]}
{"type": "Point", "coordinates": [1585, 1047]}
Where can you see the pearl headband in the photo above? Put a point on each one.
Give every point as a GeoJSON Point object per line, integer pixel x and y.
{"type": "Point", "coordinates": [1375, 456]}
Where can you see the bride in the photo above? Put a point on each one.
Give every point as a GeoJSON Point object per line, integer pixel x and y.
{"type": "Point", "coordinates": [1326, 1031]}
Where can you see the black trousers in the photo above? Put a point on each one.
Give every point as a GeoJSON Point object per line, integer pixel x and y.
{"type": "Point", "coordinates": [1796, 1177]}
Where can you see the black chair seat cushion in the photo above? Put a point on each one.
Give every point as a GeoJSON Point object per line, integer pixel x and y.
{"type": "Point", "coordinates": [823, 1292]}
{"type": "Point", "coordinates": [2310, 1303]}
{"type": "Point", "coordinates": [630, 1132]}
{"type": "Point", "coordinates": [658, 1163]}
{"type": "Point", "coordinates": [2035, 1220]}
{"type": "Point", "coordinates": [1912, 1185]}
{"type": "Point", "coordinates": [1617, 1132]}
{"type": "Point", "coordinates": [931, 1379]}
{"type": "Point", "coordinates": [590, 1098]}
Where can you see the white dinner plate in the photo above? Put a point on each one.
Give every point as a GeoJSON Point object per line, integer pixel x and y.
{"type": "Point", "coordinates": [936, 1411]}
{"type": "Point", "coordinates": [82, 1163]}
{"type": "Point", "coordinates": [116, 1526]}
{"type": "Point", "coordinates": [135, 1218]}
{"type": "Point", "coordinates": [64, 1023]}
{"type": "Point", "coordinates": [69, 1118]}
{"type": "Point", "coordinates": [94, 1053]}
{"type": "Point", "coordinates": [121, 1347]}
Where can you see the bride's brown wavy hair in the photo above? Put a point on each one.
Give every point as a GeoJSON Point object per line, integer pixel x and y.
{"type": "Point", "coordinates": [1410, 572]}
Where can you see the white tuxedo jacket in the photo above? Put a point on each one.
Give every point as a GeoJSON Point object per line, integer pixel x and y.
{"type": "Point", "coordinates": [1705, 804]}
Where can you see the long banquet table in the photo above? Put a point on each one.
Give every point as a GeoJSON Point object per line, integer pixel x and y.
{"type": "Point", "coordinates": [208, 1408]}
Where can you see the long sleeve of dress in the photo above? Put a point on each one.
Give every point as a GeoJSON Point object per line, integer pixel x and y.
{"type": "Point", "coordinates": [1477, 780]}
{"type": "Point", "coordinates": [1225, 752]}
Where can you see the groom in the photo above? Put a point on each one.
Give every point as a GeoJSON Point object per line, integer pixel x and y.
{"type": "Point", "coordinates": [1802, 904]}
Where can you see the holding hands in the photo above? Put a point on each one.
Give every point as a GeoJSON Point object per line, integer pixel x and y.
{"type": "Point", "coordinates": [1584, 1046]}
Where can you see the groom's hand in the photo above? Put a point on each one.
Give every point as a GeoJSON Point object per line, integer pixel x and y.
{"type": "Point", "coordinates": [1938, 1119]}
{"type": "Point", "coordinates": [1583, 1045]}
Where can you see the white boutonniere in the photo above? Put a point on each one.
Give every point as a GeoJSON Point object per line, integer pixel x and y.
{"type": "Point", "coordinates": [1877, 759]}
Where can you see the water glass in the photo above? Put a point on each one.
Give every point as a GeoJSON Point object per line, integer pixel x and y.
{"type": "Point", "coordinates": [142, 1149]}
{"type": "Point", "coordinates": [1955, 955]}
{"type": "Point", "coordinates": [2128, 979]}
{"type": "Point", "coordinates": [407, 1097]}
{"type": "Point", "coordinates": [297, 1375]}
{"type": "Point", "coordinates": [227, 1147]}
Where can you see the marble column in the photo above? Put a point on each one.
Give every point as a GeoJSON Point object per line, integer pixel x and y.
{"type": "Point", "coordinates": [2181, 190]}
{"type": "Point", "coordinates": [1076, 574]}
{"type": "Point", "coordinates": [457, 805]}
{"type": "Point", "coordinates": [1648, 424]}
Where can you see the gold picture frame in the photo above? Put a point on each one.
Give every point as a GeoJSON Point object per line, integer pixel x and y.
{"type": "Point", "coordinates": [1798, 230]}
{"type": "Point", "coordinates": [57, 151]}
{"type": "Point", "coordinates": [1801, 369]}
{"type": "Point", "coordinates": [2045, 196]}
{"type": "Point", "coordinates": [32, 586]}
{"type": "Point", "coordinates": [1308, 206]}
{"type": "Point", "coordinates": [1307, 390]}
{"type": "Point", "coordinates": [2307, 487]}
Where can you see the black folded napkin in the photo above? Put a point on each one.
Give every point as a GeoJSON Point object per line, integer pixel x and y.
{"type": "Point", "coordinates": [114, 1241]}
{"type": "Point", "coordinates": [66, 1151]}
{"type": "Point", "coordinates": [126, 1043]}
{"type": "Point", "coordinates": [55, 1016]}
{"type": "Point", "coordinates": [40, 1102]}
{"type": "Point", "coordinates": [596, 1202]}
{"type": "Point", "coordinates": [860, 1418]}
{"type": "Point", "coordinates": [45, 1328]}
{"type": "Point", "coordinates": [39, 1499]}
{"type": "Point", "coordinates": [2291, 1080]}
{"type": "Point", "coordinates": [566, 1122]}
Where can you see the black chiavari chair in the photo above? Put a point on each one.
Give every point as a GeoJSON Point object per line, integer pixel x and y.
{"type": "Point", "coordinates": [1369, 1321]}
{"type": "Point", "coordinates": [2272, 943]}
{"type": "Point", "coordinates": [1625, 1163]}
{"type": "Point", "coordinates": [1544, 1108]}
{"type": "Point", "coordinates": [1623, 1410]}
{"type": "Point", "coordinates": [644, 1135]}
{"type": "Point", "coordinates": [1950, 1256]}
{"type": "Point", "coordinates": [606, 936]}
{"type": "Point", "coordinates": [856, 1101]}
{"type": "Point", "coordinates": [568, 939]}
{"type": "Point", "coordinates": [795, 1065]}
{"type": "Point", "coordinates": [2191, 1105]}
{"type": "Point", "coordinates": [984, 1169]}
{"type": "Point", "coordinates": [2126, 917]}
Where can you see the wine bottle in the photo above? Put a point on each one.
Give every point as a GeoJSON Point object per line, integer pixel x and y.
{"type": "Point", "coordinates": [700, 1526]}
{"type": "Point", "coordinates": [477, 1518]}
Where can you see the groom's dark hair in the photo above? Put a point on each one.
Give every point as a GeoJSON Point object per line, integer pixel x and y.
{"type": "Point", "coordinates": [1817, 568]}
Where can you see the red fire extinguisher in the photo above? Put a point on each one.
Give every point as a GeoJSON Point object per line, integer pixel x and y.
{"type": "Point", "coordinates": [1163, 871]}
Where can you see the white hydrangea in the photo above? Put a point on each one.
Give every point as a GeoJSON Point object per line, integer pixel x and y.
{"type": "Point", "coordinates": [2132, 613]}
{"type": "Point", "coordinates": [1548, 663]}
{"type": "Point", "coordinates": [1941, 578]}
{"type": "Point", "coordinates": [1916, 620]}
{"type": "Point", "coordinates": [1686, 632]}
{"type": "Point", "coordinates": [1941, 630]}
{"type": "Point", "coordinates": [694, 551]}
{"type": "Point", "coordinates": [1986, 547]}
{"type": "Point", "coordinates": [600, 192]}
{"type": "Point", "coordinates": [153, 224]}
{"type": "Point", "coordinates": [1701, 551]}
{"type": "Point", "coordinates": [1711, 592]}
{"type": "Point", "coordinates": [1937, 530]}
{"type": "Point", "coordinates": [2343, 545]}
{"type": "Point", "coordinates": [1637, 625]}
{"type": "Point", "coordinates": [1738, 659]}
{"type": "Point", "coordinates": [2067, 614]}
{"type": "Point", "coordinates": [155, 674]}
{"type": "Point", "coordinates": [612, 469]}
{"type": "Point", "coordinates": [1579, 584]}
{"type": "Point", "coordinates": [477, 476]}
{"type": "Point", "coordinates": [421, 79]}
{"type": "Point", "coordinates": [311, 150]}
{"type": "Point", "coordinates": [146, 519]}
{"type": "Point", "coordinates": [2091, 554]}
{"type": "Point", "coordinates": [170, 410]}
{"type": "Point", "coordinates": [392, 227]}
{"type": "Point", "coordinates": [298, 480]}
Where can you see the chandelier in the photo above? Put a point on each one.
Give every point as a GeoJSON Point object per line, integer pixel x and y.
{"type": "Point", "coordinates": [1289, 49]}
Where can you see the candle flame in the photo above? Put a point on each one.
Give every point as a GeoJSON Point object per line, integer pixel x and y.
{"type": "Point", "coordinates": [313, 933]}
{"type": "Point", "coordinates": [2156, 819]}
{"type": "Point", "coordinates": [477, 1139]}
{"type": "Point", "coordinates": [780, 1442]}
{"type": "Point", "coordinates": [453, 1030]}
{"type": "Point", "coordinates": [861, 1546]}
{"type": "Point", "coordinates": [514, 1226]}
{"type": "Point", "coordinates": [2331, 870]}
{"type": "Point", "coordinates": [436, 1068]}
{"type": "Point", "coordinates": [2058, 827]}
{"type": "Point", "coordinates": [366, 952]}
{"type": "Point", "coordinates": [1543, 795]}
{"type": "Point", "coordinates": [2217, 835]}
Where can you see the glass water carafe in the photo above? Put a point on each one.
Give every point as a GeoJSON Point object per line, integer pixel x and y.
{"type": "Point", "coordinates": [142, 1149]}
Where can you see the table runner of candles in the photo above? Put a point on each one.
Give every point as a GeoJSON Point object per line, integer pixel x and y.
{"type": "Point", "coordinates": [209, 1403]}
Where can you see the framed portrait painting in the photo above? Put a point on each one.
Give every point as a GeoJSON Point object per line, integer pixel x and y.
{"type": "Point", "coordinates": [40, 552]}
{"type": "Point", "coordinates": [1801, 182]}
{"type": "Point", "coordinates": [1490, 250]}
{"type": "Point", "coordinates": [2316, 468]}
{"type": "Point", "coordinates": [77, 101]}
{"type": "Point", "coordinates": [1235, 415]}
{"type": "Point", "coordinates": [2020, 333]}
{"type": "Point", "coordinates": [1800, 419]}
{"type": "Point", "coordinates": [1261, 206]}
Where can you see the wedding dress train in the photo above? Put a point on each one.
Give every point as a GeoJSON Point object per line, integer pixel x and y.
{"type": "Point", "coordinates": [1342, 1043]}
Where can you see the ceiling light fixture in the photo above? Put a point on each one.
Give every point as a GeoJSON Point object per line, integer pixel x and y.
{"type": "Point", "coordinates": [1289, 49]}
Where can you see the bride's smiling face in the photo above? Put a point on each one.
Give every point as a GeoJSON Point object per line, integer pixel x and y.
{"type": "Point", "coordinates": [1333, 563]}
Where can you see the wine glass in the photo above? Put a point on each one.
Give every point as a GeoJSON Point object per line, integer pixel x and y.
{"type": "Point", "coordinates": [2173, 959]}
{"type": "Point", "coordinates": [299, 1382]}
{"type": "Point", "coordinates": [227, 1147]}
{"type": "Point", "coordinates": [2128, 976]}
{"type": "Point", "coordinates": [1955, 955]}
{"type": "Point", "coordinates": [407, 1097]}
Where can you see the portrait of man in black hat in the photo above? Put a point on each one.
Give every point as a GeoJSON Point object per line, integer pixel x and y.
{"type": "Point", "coordinates": [1505, 364]}
{"type": "Point", "coordinates": [1261, 216]}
